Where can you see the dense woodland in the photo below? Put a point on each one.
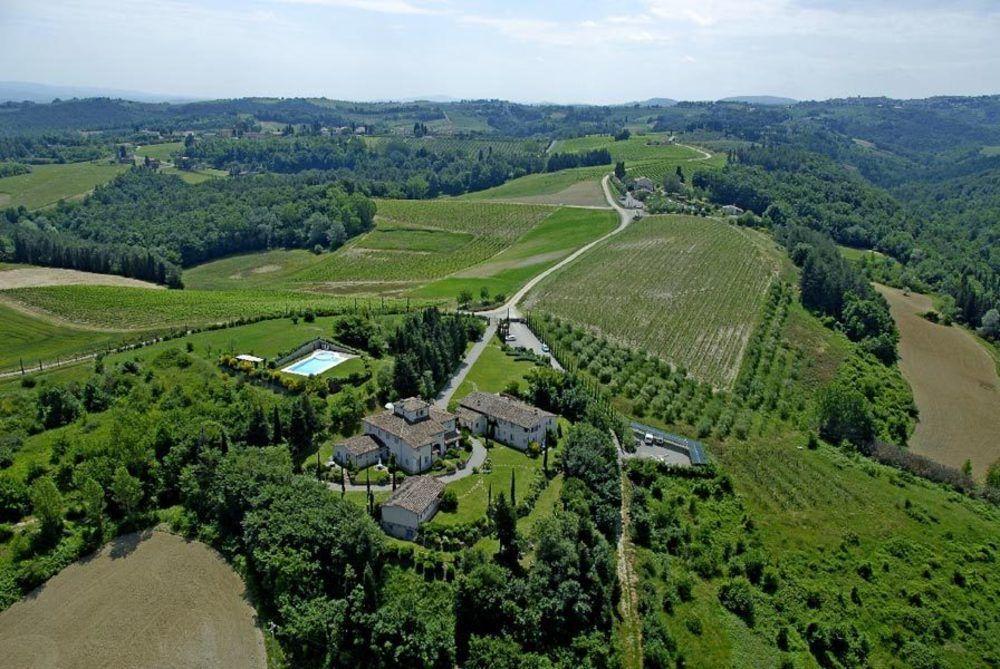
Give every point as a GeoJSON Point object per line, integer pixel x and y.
{"type": "Point", "coordinates": [188, 224]}
{"type": "Point", "coordinates": [395, 169]}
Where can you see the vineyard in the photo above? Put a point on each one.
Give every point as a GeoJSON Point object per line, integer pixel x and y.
{"type": "Point", "coordinates": [687, 289]}
{"type": "Point", "coordinates": [576, 186]}
{"type": "Point", "coordinates": [139, 308]}
{"type": "Point", "coordinates": [415, 241]}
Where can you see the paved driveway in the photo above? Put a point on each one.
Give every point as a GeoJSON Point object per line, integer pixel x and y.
{"type": "Point", "coordinates": [525, 338]}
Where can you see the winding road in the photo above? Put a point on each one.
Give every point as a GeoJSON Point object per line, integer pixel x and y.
{"type": "Point", "coordinates": [509, 308]}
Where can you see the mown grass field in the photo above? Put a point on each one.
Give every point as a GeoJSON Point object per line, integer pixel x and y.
{"type": "Point", "coordinates": [554, 238]}
{"type": "Point", "coordinates": [140, 308]}
{"type": "Point", "coordinates": [164, 152]}
{"type": "Point", "coordinates": [143, 600]}
{"type": "Point", "coordinates": [687, 289]}
{"type": "Point", "coordinates": [47, 184]}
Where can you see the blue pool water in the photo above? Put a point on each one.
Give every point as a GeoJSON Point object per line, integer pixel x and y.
{"type": "Point", "coordinates": [316, 363]}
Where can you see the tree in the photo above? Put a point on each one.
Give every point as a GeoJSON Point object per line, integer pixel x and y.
{"type": "Point", "coordinates": [680, 174]}
{"type": "Point", "coordinates": [277, 435]}
{"type": "Point", "coordinates": [126, 491]}
{"type": "Point", "coordinates": [513, 486]}
{"type": "Point", "coordinates": [991, 324]}
{"type": "Point", "coordinates": [993, 475]}
{"type": "Point", "coordinates": [47, 506]}
{"type": "Point", "coordinates": [464, 296]}
{"type": "Point", "coordinates": [302, 426]}
{"type": "Point", "coordinates": [844, 415]}
{"type": "Point", "coordinates": [505, 520]}
{"type": "Point", "coordinates": [92, 500]}
{"type": "Point", "coordinates": [620, 169]}
{"type": "Point", "coordinates": [258, 431]}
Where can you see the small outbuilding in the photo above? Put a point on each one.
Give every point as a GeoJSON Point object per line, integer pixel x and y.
{"type": "Point", "coordinates": [731, 210]}
{"type": "Point", "coordinates": [414, 502]}
{"type": "Point", "coordinates": [358, 452]}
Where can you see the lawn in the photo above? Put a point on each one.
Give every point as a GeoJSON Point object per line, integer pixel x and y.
{"type": "Point", "coordinates": [473, 491]}
{"type": "Point", "coordinates": [546, 244]}
{"type": "Point", "coordinates": [163, 152]}
{"type": "Point", "coordinates": [685, 288]}
{"type": "Point", "coordinates": [140, 308]}
{"type": "Point", "coordinates": [47, 184]}
{"type": "Point", "coordinates": [492, 372]}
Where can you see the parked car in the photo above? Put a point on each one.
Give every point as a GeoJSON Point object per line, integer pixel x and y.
{"type": "Point", "coordinates": [510, 338]}
{"type": "Point", "coordinates": [545, 348]}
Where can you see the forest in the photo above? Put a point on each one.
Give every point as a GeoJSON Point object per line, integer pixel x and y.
{"type": "Point", "coordinates": [188, 224]}
{"type": "Point", "coordinates": [395, 169]}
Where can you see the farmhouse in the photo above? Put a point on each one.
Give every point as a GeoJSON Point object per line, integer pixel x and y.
{"type": "Point", "coordinates": [630, 202]}
{"type": "Point", "coordinates": [505, 419]}
{"type": "Point", "coordinates": [412, 431]}
{"type": "Point", "coordinates": [644, 183]}
{"type": "Point", "coordinates": [414, 502]}
{"type": "Point", "coordinates": [731, 210]}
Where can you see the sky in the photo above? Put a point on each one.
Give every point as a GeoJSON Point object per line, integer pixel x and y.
{"type": "Point", "coordinates": [532, 51]}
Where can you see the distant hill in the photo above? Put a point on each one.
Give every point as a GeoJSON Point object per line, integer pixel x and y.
{"type": "Point", "coordinates": [654, 102]}
{"type": "Point", "coordinates": [761, 100]}
{"type": "Point", "coordinates": [20, 91]}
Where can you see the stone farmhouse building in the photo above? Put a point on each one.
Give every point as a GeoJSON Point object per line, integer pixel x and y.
{"type": "Point", "coordinates": [414, 502]}
{"type": "Point", "coordinates": [505, 419]}
{"type": "Point", "coordinates": [644, 183]}
{"type": "Point", "coordinates": [413, 431]}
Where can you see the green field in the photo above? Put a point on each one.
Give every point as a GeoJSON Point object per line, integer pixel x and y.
{"type": "Point", "coordinates": [577, 186]}
{"type": "Point", "coordinates": [430, 248]}
{"type": "Point", "coordinates": [546, 244]}
{"type": "Point", "coordinates": [267, 269]}
{"type": "Point", "coordinates": [47, 184]}
{"type": "Point", "coordinates": [652, 146]}
{"type": "Point", "coordinates": [31, 340]}
{"type": "Point", "coordinates": [492, 372]}
{"type": "Point", "coordinates": [140, 309]}
{"type": "Point", "coordinates": [448, 236]}
{"type": "Point", "coordinates": [685, 288]}
{"type": "Point", "coordinates": [469, 147]}
{"type": "Point", "coordinates": [163, 152]}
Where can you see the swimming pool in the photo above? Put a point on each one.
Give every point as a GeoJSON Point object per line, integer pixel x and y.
{"type": "Point", "coordinates": [316, 363]}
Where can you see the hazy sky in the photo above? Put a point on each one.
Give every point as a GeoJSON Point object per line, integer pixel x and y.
{"type": "Point", "coordinates": [553, 50]}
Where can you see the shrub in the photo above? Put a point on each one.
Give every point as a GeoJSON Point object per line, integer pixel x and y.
{"type": "Point", "coordinates": [449, 501]}
{"type": "Point", "coordinates": [737, 596]}
{"type": "Point", "coordinates": [693, 625]}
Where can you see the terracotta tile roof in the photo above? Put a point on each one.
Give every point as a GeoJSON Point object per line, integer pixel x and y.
{"type": "Point", "coordinates": [416, 494]}
{"type": "Point", "coordinates": [415, 434]}
{"type": "Point", "coordinates": [360, 445]}
{"type": "Point", "coordinates": [505, 408]}
{"type": "Point", "coordinates": [411, 404]}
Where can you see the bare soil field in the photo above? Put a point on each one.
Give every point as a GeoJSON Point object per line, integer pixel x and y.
{"type": "Point", "coordinates": [955, 385]}
{"type": "Point", "coordinates": [149, 600]}
{"type": "Point", "coordinates": [31, 277]}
